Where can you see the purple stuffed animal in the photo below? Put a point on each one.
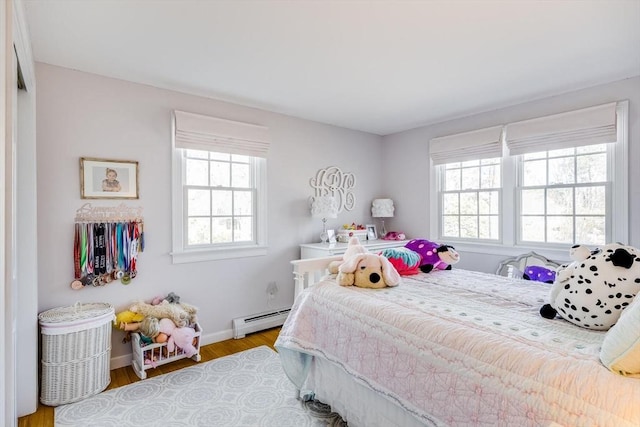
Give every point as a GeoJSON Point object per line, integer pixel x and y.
{"type": "Point", "coordinates": [434, 255]}
{"type": "Point", "coordinates": [539, 274]}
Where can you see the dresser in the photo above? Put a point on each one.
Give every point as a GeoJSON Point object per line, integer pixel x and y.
{"type": "Point", "coordinates": [318, 250]}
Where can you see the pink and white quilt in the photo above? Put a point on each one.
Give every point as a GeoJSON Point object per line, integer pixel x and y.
{"type": "Point", "coordinates": [463, 348]}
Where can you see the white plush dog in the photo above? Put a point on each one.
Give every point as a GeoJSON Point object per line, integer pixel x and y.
{"type": "Point", "coordinates": [353, 248]}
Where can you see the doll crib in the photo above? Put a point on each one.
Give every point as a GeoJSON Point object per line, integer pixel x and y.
{"type": "Point", "coordinates": [148, 356]}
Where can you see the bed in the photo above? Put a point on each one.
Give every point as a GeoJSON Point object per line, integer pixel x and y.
{"type": "Point", "coordinates": [447, 348]}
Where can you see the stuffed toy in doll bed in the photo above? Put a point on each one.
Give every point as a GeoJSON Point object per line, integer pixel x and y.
{"type": "Point", "coordinates": [182, 314]}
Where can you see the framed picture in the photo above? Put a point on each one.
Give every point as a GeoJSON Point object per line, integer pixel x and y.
{"type": "Point", "coordinates": [372, 233]}
{"type": "Point", "coordinates": [332, 236]}
{"type": "Point", "coordinates": [108, 179]}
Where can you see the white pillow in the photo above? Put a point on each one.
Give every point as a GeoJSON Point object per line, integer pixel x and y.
{"type": "Point", "coordinates": [620, 350]}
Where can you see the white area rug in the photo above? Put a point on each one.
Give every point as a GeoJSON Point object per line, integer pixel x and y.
{"type": "Point", "coordinates": [245, 389]}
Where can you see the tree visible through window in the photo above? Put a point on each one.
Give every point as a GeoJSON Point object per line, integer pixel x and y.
{"type": "Point", "coordinates": [551, 181]}
{"type": "Point", "coordinates": [471, 199]}
{"type": "Point", "coordinates": [220, 194]}
{"type": "Point", "coordinates": [563, 196]}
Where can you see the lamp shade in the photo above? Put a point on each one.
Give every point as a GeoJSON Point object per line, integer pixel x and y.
{"type": "Point", "coordinates": [382, 208]}
{"type": "Point", "coordinates": [324, 207]}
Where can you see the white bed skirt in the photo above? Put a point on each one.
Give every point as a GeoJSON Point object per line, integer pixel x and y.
{"type": "Point", "coordinates": [357, 403]}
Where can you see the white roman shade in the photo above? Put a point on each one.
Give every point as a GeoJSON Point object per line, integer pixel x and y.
{"type": "Point", "coordinates": [478, 144]}
{"type": "Point", "coordinates": [588, 126]}
{"type": "Point", "coordinates": [198, 132]}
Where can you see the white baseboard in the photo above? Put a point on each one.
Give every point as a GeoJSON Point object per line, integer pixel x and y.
{"type": "Point", "coordinates": [125, 360]}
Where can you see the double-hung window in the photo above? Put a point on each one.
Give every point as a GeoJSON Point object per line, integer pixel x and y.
{"type": "Point", "coordinates": [560, 180]}
{"type": "Point", "coordinates": [219, 188]}
{"type": "Point", "coordinates": [562, 196]}
{"type": "Point", "coordinates": [469, 184]}
{"type": "Point", "coordinates": [471, 199]}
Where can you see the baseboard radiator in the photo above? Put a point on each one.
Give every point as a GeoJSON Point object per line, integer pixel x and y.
{"type": "Point", "coordinates": [259, 322]}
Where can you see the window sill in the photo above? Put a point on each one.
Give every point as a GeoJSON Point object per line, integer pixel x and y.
{"type": "Point", "coordinates": [560, 255]}
{"type": "Point", "coordinates": [202, 255]}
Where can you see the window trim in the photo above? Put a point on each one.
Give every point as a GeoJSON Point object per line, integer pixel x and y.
{"type": "Point", "coordinates": [507, 244]}
{"type": "Point", "coordinates": [607, 184]}
{"type": "Point", "coordinates": [442, 192]}
{"type": "Point", "coordinates": [180, 254]}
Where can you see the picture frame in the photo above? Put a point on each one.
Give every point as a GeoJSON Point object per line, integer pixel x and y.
{"type": "Point", "coordinates": [108, 179]}
{"type": "Point", "coordinates": [372, 233]}
{"type": "Point", "coordinates": [332, 236]}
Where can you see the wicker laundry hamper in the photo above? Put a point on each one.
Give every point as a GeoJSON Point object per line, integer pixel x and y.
{"type": "Point", "coordinates": [76, 351]}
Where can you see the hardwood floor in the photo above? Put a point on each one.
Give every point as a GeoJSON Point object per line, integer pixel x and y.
{"type": "Point", "coordinates": [44, 416]}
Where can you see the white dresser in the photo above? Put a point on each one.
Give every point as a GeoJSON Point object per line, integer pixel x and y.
{"type": "Point", "coordinates": [318, 250]}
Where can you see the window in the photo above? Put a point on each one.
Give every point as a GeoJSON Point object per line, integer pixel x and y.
{"type": "Point", "coordinates": [560, 180]}
{"type": "Point", "coordinates": [219, 194]}
{"type": "Point", "coordinates": [469, 184]}
{"type": "Point", "coordinates": [471, 199]}
{"type": "Point", "coordinates": [563, 196]}
{"type": "Point", "coordinates": [219, 186]}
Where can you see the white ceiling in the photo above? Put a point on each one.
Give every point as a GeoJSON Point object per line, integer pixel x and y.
{"type": "Point", "coordinates": [376, 66]}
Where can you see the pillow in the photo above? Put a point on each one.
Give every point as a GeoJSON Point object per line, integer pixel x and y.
{"type": "Point", "coordinates": [620, 350]}
{"type": "Point", "coordinates": [539, 274]}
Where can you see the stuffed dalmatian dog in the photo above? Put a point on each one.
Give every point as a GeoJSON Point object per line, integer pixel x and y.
{"type": "Point", "coordinates": [592, 291]}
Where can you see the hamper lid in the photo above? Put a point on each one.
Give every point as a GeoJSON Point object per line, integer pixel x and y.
{"type": "Point", "coordinates": [75, 313]}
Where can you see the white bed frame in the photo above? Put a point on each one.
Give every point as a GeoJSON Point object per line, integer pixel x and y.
{"type": "Point", "coordinates": [307, 272]}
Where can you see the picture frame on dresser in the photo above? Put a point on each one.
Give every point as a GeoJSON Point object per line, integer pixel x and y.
{"type": "Point", "coordinates": [372, 233]}
{"type": "Point", "coordinates": [332, 236]}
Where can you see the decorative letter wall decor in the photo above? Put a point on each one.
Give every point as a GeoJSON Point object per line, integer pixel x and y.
{"type": "Point", "coordinates": [332, 181]}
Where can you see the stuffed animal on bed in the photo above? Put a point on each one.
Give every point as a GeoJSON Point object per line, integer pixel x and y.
{"type": "Point", "coordinates": [405, 261]}
{"type": "Point", "coordinates": [354, 247]}
{"type": "Point", "coordinates": [592, 291]}
{"type": "Point", "coordinates": [538, 273]}
{"type": "Point", "coordinates": [367, 271]}
{"type": "Point", "coordinates": [374, 271]}
{"type": "Point", "coordinates": [434, 255]}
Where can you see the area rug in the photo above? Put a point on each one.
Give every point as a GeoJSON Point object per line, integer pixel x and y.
{"type": "Point", "coordinates": [245, 389]}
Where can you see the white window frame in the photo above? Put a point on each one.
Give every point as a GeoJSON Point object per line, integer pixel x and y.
{"type": "Point", "coordinates": [509, 214]}
{"type": "Point", "coordinates": [441, 194]}
{"type": "Point", "coordinates": [608, 184]}
{"type": "Point", "coordinates": [180, 253]}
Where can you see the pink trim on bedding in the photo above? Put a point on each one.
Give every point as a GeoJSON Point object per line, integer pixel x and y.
{"type": "Point", "coordinates": [464, 348]}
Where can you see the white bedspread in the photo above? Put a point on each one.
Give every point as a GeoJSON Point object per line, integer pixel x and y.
{"type": "Point", "coordinates": [464, 348]}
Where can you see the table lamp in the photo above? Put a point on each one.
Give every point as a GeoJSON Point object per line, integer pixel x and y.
{"type": "Point", "coordinates": [324, 207]}
{"type": "Point", "coordinates": [382, 208]}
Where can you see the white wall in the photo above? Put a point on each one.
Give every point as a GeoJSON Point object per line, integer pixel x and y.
{"type": "Point", "coordinates": [407, 177]}
{"type": "Point", "coordinates": [85, 115]}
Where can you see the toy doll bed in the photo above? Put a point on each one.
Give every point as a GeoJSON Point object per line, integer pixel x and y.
{"type": "Point", "coordinates": [448, 348]}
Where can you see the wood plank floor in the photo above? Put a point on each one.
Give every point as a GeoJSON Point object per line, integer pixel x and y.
{"type": "Point", "coordinates": [44, 416]}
